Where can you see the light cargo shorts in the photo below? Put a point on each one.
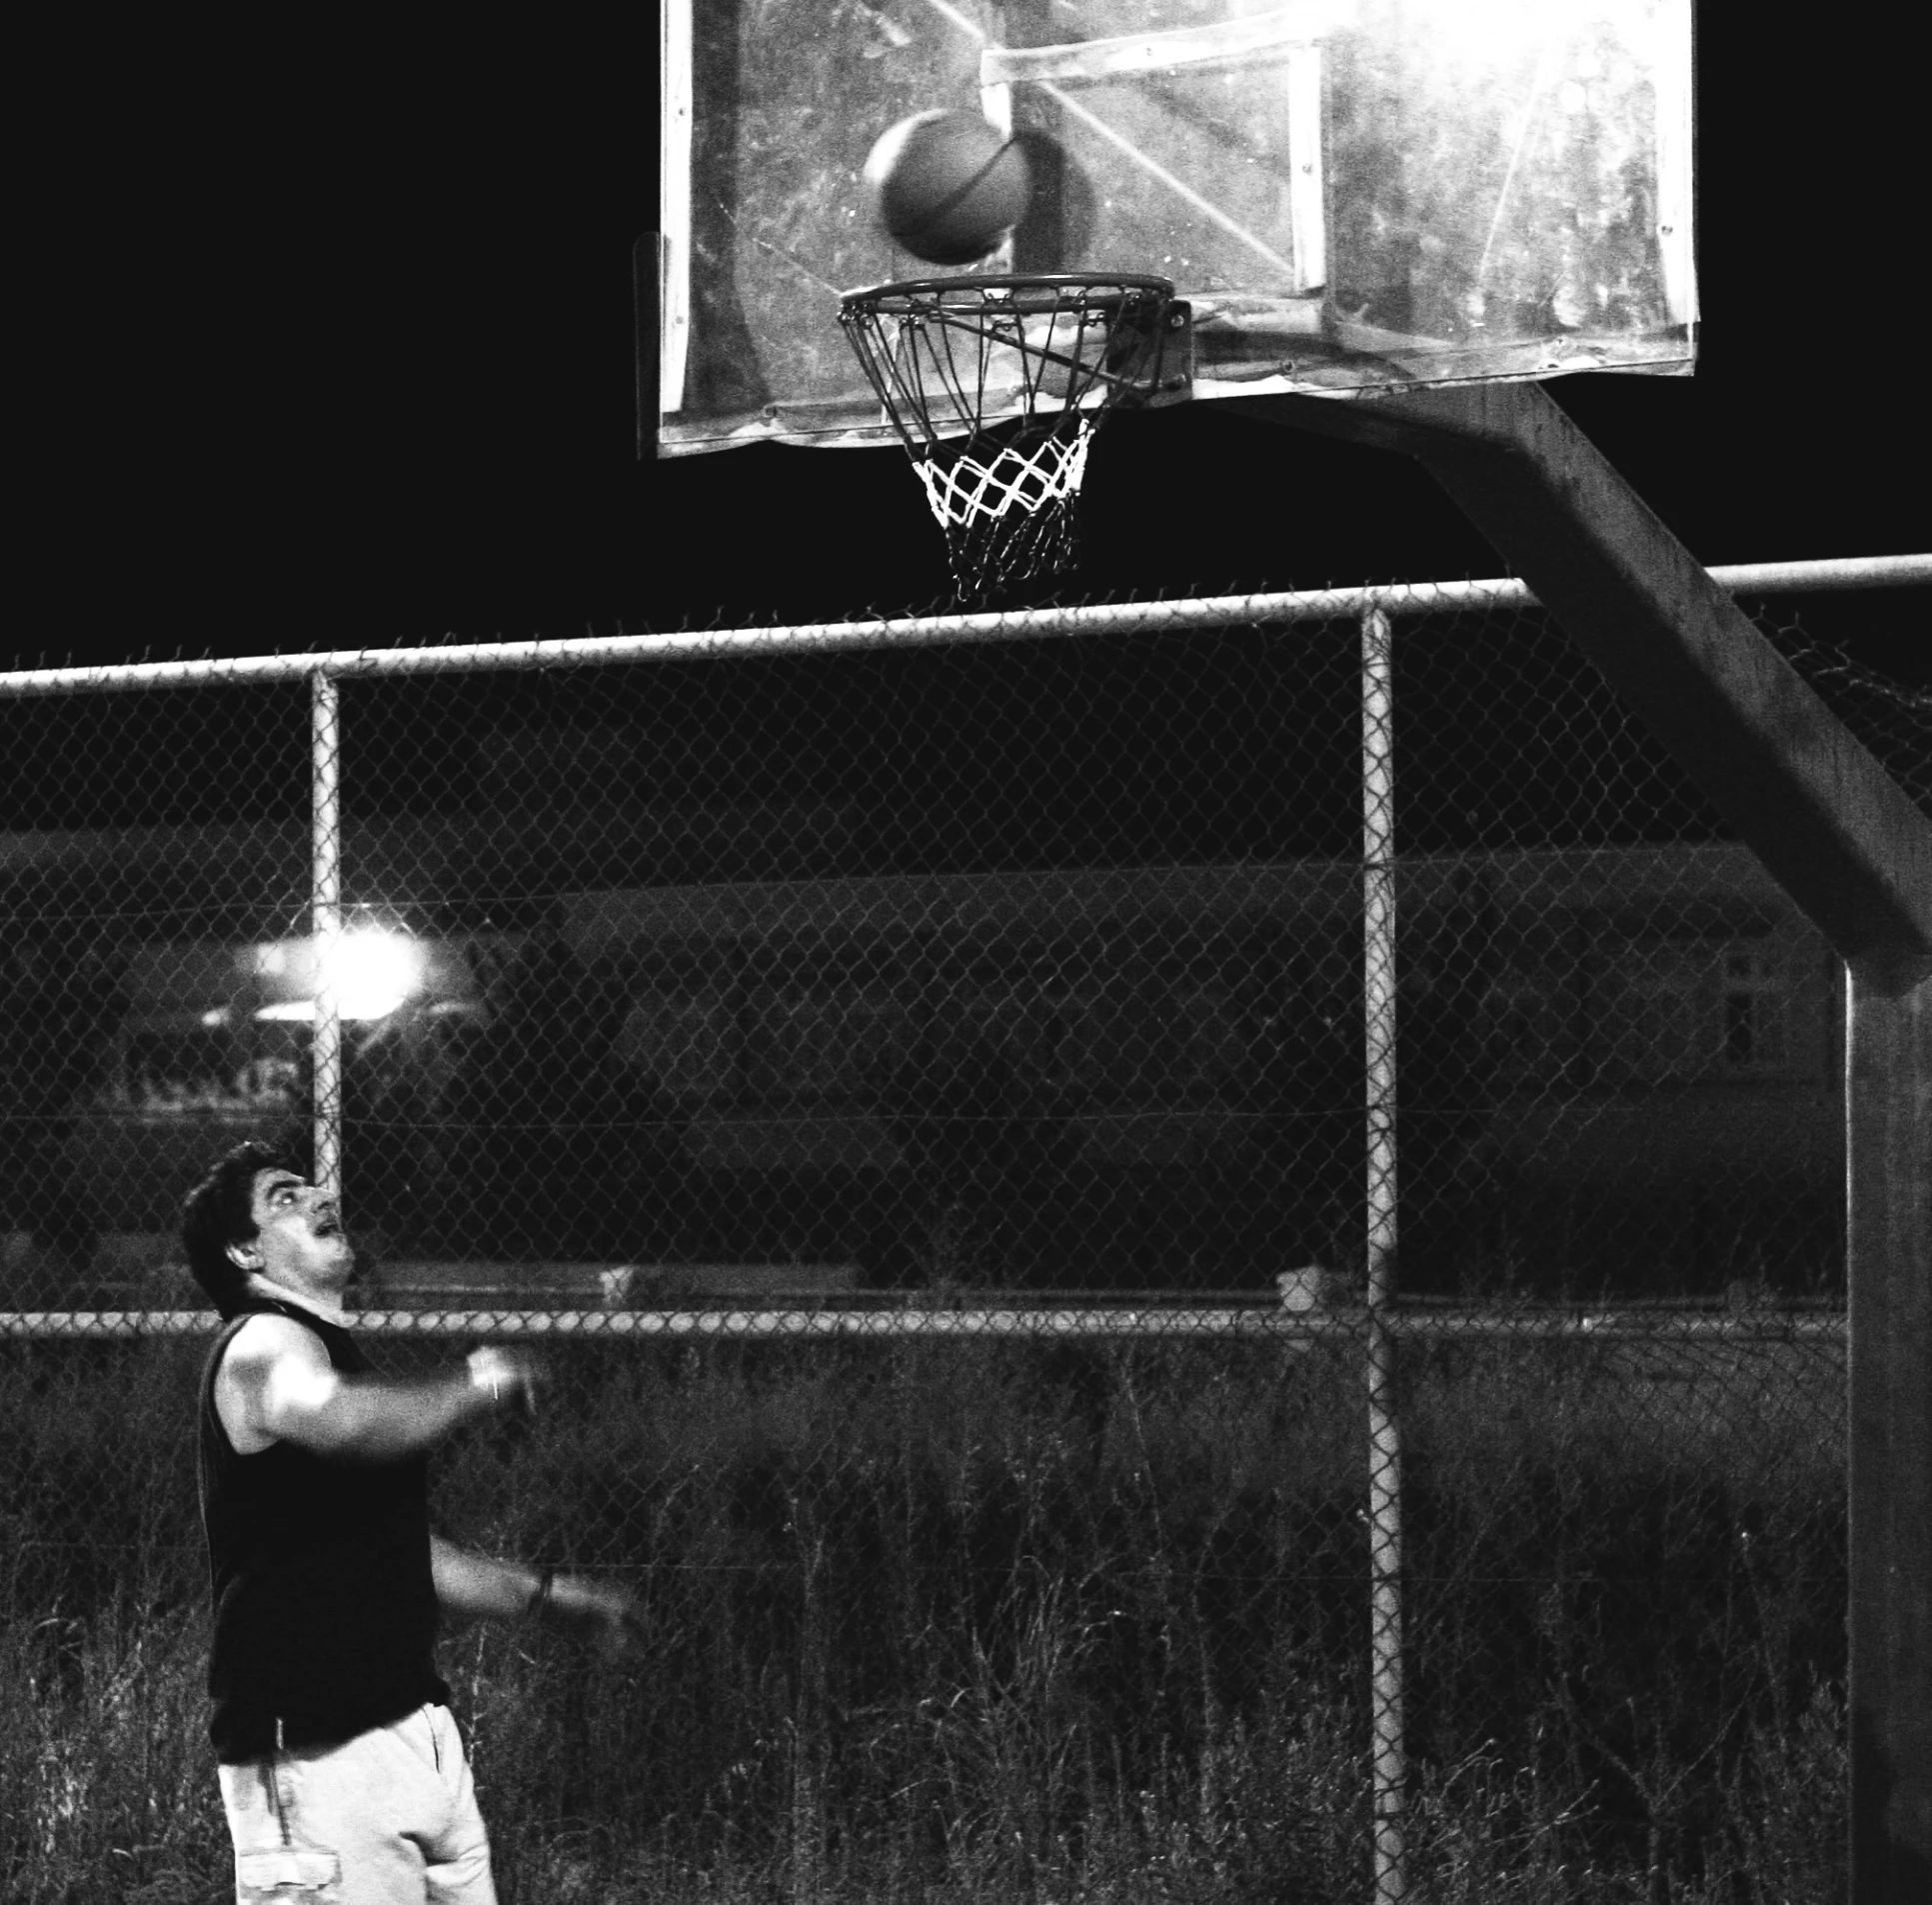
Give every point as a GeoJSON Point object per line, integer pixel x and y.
{"type": "Point", "coordinates": [387, 1818]}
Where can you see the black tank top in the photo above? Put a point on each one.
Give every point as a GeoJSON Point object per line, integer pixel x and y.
{"type": "Point", "coordinates": [325, 1610]}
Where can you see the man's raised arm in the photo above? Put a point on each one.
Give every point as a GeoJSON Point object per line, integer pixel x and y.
{"type": "Point", "coordinates": [283, 1387]}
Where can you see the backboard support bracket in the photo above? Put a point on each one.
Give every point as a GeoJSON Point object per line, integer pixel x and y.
{"type": "Point", "coordinates": [1828, 821]}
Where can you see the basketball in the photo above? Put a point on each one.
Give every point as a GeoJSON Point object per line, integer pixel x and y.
{"type": "Point", "coordinates": [947, 185]}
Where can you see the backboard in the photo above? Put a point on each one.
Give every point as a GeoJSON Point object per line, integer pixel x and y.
{"type": "Point", "coordinates": [1353, 195]}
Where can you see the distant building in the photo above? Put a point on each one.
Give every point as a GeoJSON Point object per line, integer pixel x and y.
{"type": "Point", "coordinates": [1648, 1021]}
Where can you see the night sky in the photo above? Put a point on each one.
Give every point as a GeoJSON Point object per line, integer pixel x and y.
{"type": "Point", "coordinates": [330, 344]}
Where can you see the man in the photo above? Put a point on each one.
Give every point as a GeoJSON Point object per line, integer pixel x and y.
{"type": "Point", "coordinates": [333, 1731]}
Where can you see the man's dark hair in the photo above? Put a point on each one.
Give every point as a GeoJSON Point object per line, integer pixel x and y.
{"type": "Point", "coordinates": [219, 1212]}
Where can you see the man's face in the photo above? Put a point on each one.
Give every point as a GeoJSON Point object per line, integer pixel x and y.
{"type": "Point", "coordinates": [299, 1242]}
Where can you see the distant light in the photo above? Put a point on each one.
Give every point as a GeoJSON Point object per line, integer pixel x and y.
{"type": "Point", "coordinates": [373, 972]}
{"type": "Point", "coordinates": [301, 1011]}
{"type": "Point", "coordinates": [214, 1018]}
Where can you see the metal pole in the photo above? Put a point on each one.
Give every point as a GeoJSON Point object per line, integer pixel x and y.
{"type": "Point", "coordinates": [1384, 1437]}
{"type": "Point", "coordinates": [325, 782]}
{"type": "Point", "coordinates": [1298, 1333]}
{"type": "Point", "coordinates": [1888, 1133]}
{"type": "Point", "coordinates": [1116, 618]}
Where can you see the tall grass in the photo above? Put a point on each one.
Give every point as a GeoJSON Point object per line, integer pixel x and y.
{"type": "Point", "coordinates": [972, 1622]}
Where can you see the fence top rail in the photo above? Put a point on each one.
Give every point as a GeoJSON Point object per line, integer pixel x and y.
{"type": "Point", "coordinates": [1128, 618]}
{"type": "Point", "coordinates": [1300, 1327]}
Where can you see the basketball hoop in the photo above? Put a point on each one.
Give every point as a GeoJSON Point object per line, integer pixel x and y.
{"type": "Point", "coordinates": [956, 359]}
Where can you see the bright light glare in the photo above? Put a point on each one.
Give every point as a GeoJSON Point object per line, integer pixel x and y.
{"type": "Point", "coordinates": [372, 972]}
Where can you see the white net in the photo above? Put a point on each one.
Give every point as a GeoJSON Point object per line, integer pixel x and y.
{"type": "Point", "coordinates": [1007, 508]}
{"type": "Point", "coordinates": [1027, 474]}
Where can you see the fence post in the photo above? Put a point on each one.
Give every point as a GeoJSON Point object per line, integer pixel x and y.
{"type": "Point", "coordinates": [1888, 1128]}
{"type": "Point", "coordinates": [325, 874]}
{"type": "Point", "coordinates": [1389, 1773]}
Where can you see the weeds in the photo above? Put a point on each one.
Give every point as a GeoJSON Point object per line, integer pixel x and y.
{"type": "Point", "coordinates": [967, 1622]}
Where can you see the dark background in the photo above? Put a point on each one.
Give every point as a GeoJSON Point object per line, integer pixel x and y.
{"type": "Point", "coordinates": [328, 342]}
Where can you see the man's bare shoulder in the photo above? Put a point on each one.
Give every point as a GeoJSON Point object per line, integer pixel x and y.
{"type": "Point", "coordinates": [266, 1340]}
{"type": "Point", "coordinates": [273, 1376]}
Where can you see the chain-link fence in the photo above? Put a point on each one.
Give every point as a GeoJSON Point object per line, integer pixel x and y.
{"type": "Point", "coordinates": [1198, 1256]}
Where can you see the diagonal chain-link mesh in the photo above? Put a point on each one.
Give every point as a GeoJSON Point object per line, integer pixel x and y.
{"type": "Point", "coordinates": [1892, 719]}
{"type": "Point", "coordinates": [1183, 1261]}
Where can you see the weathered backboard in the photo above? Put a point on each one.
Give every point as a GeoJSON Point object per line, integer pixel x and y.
{"type": "Point", "coordinates": [1353, 194]}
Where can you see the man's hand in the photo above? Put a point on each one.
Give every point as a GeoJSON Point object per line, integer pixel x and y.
{"type": "Point", "coordinates": [611, 1611]}
{"type": "Point", "coordinates": [505, 1376]}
